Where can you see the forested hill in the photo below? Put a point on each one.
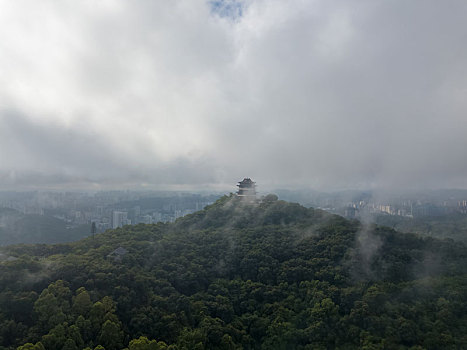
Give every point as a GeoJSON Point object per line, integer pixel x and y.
{"type": "Point", "coordinates": [272, 275]}
{"type": "Point", "coordinates": [16, 227]}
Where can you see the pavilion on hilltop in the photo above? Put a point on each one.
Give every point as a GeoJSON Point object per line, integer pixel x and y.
{"type": "Point", "coordinates": [247, 188]}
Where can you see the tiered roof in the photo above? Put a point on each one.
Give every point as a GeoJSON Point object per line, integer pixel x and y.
{"type": "Point", "coordinates": [246, 188]}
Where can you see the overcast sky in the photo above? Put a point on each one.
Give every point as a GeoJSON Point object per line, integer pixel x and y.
{"type": "Point", "coordinates": [319, 94]}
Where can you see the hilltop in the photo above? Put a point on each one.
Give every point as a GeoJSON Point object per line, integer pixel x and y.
{"type": "Point", "coordinates": [236, 275]}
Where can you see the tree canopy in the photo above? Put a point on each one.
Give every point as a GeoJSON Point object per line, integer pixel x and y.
{"type": "Point", "coordinates": [269, 275]}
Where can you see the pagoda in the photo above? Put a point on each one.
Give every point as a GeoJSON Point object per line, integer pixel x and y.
{"type": "Point", "coordinates": [247, 188]}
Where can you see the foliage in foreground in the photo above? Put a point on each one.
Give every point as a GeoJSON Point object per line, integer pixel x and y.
{"type": "Point", "coordinates": [273, 275]}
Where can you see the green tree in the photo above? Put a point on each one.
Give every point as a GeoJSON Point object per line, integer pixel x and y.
{"type": "Point", "coordinates": [70, 345]}
{"type": "Point", "coordinates": [48, 311]}
{"type": "Point", "coordinates": [143, 343]}
{"type": "Point", "coordinates": [81, 303]}
{"type": "Point", "coordinates": [30, 346]}
{"type": "Point", "coordinates": [111, 337]}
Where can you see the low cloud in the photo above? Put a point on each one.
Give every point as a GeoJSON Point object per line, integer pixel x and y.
{"type": "Point", "coordinates": [300, 93]}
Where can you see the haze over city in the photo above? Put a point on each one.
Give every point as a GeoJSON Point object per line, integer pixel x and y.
{"type": "Point", "coordinates": [199, 94]}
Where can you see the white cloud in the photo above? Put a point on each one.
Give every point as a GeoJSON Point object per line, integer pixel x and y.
{"type": "Point", "coordinates": [331, 94]}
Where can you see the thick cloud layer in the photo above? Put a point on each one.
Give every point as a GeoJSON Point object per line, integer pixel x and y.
{"type": "Point", "coordinates": [292, 93]}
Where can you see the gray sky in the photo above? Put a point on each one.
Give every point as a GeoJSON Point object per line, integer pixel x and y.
{"type": "Point", "coordinates": [322, 94]}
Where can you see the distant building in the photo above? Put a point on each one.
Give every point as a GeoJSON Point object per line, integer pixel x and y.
{"type": "Point", "coordinates": [146, 219]}
{"type": "Point", "coordinates": [119, 219]}
{"type": "Point", "coordinates": [350, 212]}
{"type": "Point", "coordinates": [247, 189]}
{"type": "Point", "coordinates": [462, 206]}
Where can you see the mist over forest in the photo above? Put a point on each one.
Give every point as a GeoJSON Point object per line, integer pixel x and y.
{"type": "Point", "coordinates": [233, 174]}
{"type": "Point", "coordinates": [239, 274]}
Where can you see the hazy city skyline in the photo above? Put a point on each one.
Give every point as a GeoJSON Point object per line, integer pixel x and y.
{"type": "Point", "coordinates": [200, 94]}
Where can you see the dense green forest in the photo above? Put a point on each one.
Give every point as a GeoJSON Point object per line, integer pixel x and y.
{"type": "Point", "coordinates": [16, 227]}
{"type": "Point", "coordinates": [452, 225]}
{"type": "Point", "coordinates": [269, 275]}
